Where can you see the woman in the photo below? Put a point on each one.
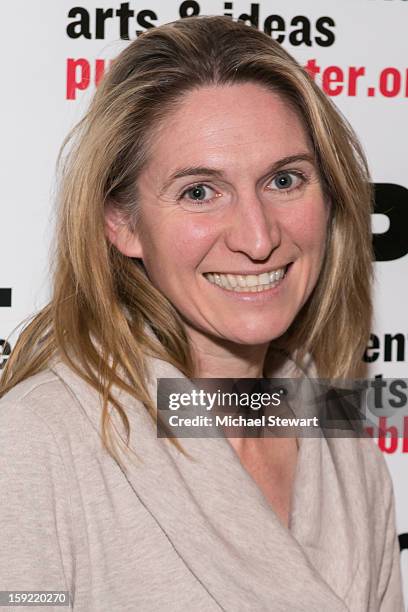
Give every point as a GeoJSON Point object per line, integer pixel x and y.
{"type": "Point", "coordinates": [214, 217]}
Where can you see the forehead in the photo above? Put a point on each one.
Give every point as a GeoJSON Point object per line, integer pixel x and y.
{"type": "Point", "coordinates": [229, 123]}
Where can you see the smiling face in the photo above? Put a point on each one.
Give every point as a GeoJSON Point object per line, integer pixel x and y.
{"type": "Point", "coordinates": [233, 217]}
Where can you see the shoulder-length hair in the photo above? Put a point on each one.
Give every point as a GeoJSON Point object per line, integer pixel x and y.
{"type": "Point", "coordinates": [102, 300]}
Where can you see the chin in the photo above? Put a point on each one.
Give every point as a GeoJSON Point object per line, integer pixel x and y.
{"type": "Point", "coordinates": [258, 336]}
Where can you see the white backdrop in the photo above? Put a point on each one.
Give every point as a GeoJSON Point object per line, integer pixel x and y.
{"type": "Point", "coordinates": [52, 53]}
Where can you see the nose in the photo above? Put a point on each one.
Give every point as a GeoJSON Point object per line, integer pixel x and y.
{"type": "Point", "coordinates": [253, 230]}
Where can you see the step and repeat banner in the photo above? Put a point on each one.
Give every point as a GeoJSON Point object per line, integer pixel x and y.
{"type": "Point", "coordinates": [54, 53]}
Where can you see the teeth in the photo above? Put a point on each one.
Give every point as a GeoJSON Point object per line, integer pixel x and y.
{"type": "Point", "coordinates": [250, 282]}
{"type": "Point", "coordinates": [264, 279]}
{"type": "Point", "coordinates": [232, 280]}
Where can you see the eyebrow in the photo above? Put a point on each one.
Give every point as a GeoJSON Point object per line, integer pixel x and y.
{"type": "Point", "coordinates": [214, 172]}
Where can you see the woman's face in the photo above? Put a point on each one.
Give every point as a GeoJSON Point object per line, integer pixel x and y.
{"type": "Point", "coordinates": [233, 218]}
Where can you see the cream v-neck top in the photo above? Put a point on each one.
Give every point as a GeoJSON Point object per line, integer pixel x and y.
{"type": "Point", "coordinates": [172, 534]}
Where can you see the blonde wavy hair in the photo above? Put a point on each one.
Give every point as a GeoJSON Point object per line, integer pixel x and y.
{"type": "Point", "coordinates": [101, 295]}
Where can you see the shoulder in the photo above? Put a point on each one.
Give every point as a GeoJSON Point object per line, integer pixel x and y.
{"type": "Point", "coordinates": [383, 529]}
{"type": "Point", "coordinates": [376, 470]}
{"type": "Point", "coordinates": [31, 453]}
{"type": "Point", "coordinates": [44, 411]}
{"type": "Point", "coordinates": [37, 520]}
{"type": "Point", "coordinates": [32, 399]}
{"type": "Point", "coordinates": [29, 415]}
{"type": "Point", "coordinates": [42, 397]}
{"type": "Point", "coordinates": [362, 468]}
{"type": "Point", "coordinates": [34, 389]}
{"type": "Point", "coordinates": [58, 408]}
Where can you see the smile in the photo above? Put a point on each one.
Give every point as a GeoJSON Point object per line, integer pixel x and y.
{"type": "Point", "coordinates": [247, 282]}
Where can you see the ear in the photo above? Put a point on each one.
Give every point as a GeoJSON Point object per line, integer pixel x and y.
{"type": "Point", "coordinates": [118, 233]}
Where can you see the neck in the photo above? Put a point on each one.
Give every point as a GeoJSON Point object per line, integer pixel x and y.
{"type": "Point", "coordinates": [215, 358]}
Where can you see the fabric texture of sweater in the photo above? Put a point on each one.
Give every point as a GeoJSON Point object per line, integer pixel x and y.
{"type": "Point", "coordinates": [170, 533]}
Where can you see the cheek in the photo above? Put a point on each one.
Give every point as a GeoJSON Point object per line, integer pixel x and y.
{"type": "Point", "coordinates": [195, 235]}
{"type": "Point", "coordinates": [179, 244]}
{"type": "Point", "coordinates": [308, 227]}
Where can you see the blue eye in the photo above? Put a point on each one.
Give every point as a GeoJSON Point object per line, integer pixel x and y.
{"type": "Point", "coordinates": [199, 193]}
{"type": "Point", "coordinates": [285, 181]}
